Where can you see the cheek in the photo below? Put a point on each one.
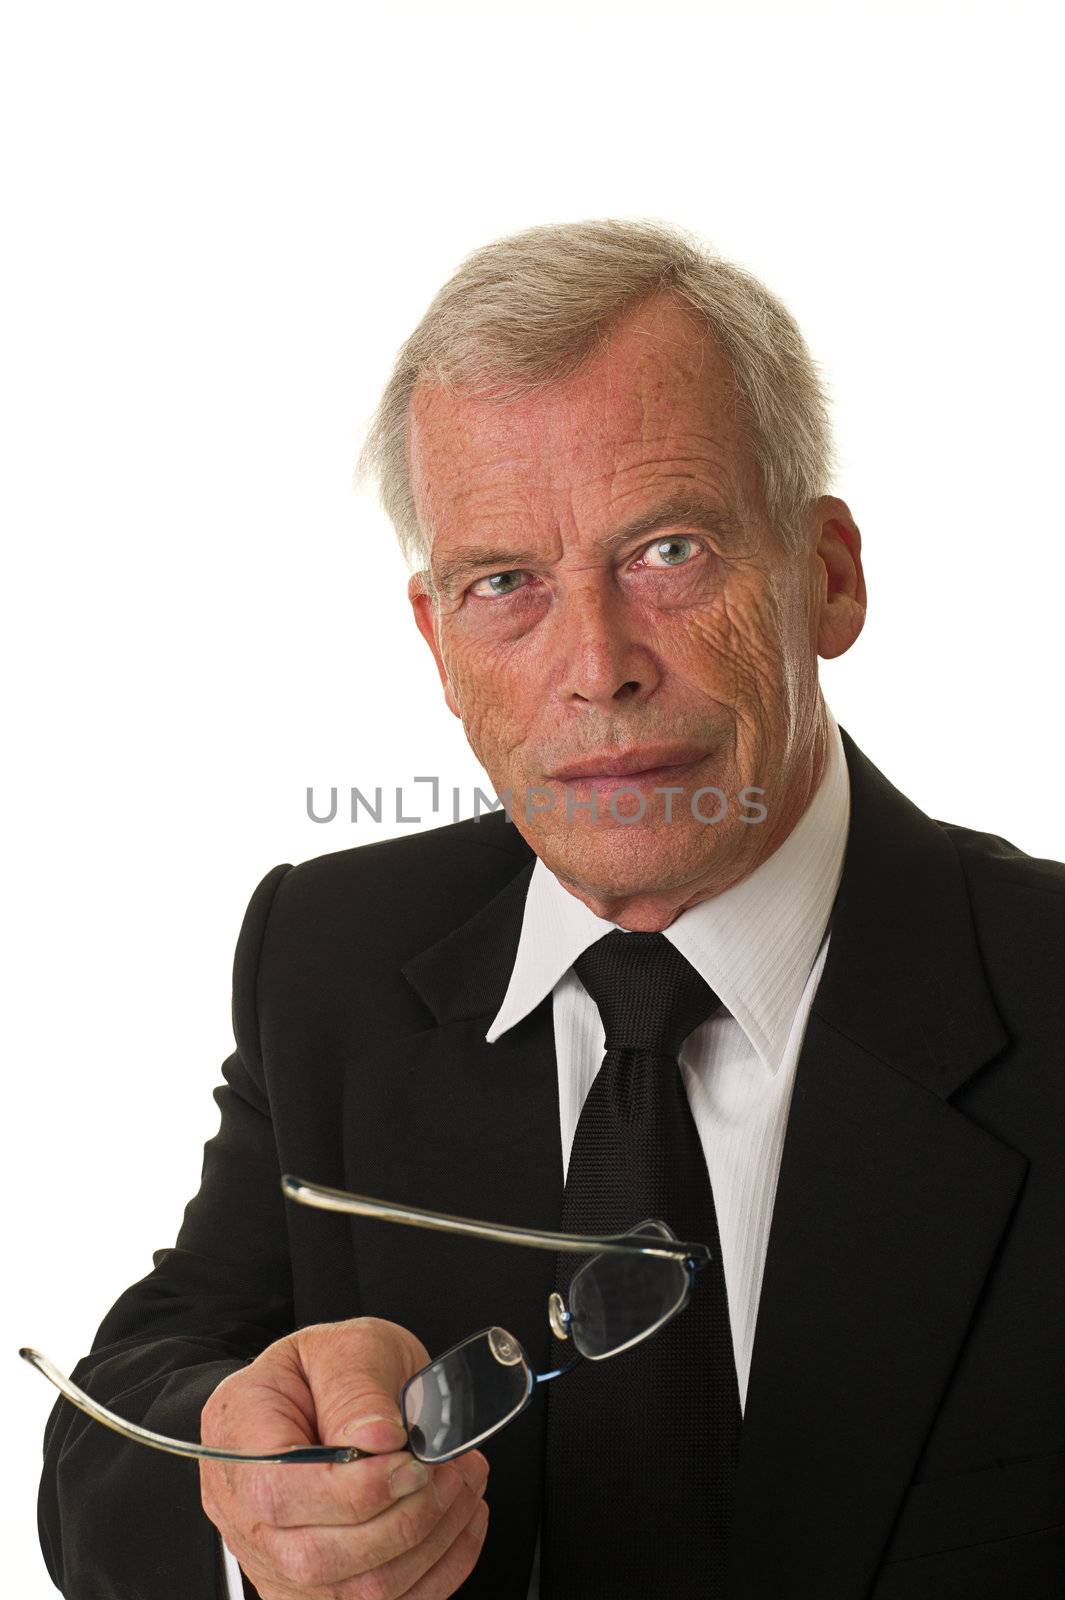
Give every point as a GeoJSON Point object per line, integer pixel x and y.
{"type": "Point", "coordinates": [497, 625]}
{"type": "Point", "coordinates": [733, 649]}
{"type": "Point", "coordinates": [503, 649]}
{"type": "Point", "coordinates": [496, 690]}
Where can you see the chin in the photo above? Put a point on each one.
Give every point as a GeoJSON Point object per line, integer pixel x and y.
{"type": "Point", "coordinates": [618, 861]}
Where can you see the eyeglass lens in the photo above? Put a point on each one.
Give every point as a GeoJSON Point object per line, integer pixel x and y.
{"type": "Point", "coordinates": [471, 1390]}
{"type": "Point", "coordinates": [466, 1394]}
{"type": "Point", "coordinates": [616, 1300]}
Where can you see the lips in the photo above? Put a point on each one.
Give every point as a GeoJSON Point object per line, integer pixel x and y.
{"type": "Point", "coordinates": [650, 763]}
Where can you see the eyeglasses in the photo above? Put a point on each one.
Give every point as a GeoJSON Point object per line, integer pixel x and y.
{"type": "Point", "coordinates": [634, 1284]}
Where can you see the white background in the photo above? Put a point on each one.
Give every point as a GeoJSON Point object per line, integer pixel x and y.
{"type": "Point", "coordinates": [221, 220]}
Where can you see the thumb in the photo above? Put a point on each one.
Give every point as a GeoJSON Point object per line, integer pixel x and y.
{"type": "Point", "coordinates": [376, 1424]}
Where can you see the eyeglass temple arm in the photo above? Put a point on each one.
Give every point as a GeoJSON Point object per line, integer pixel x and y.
{"type": "Point", "coordinates": [359, 1205]}
{"type": "Point", "coordinates": [177, 1447]}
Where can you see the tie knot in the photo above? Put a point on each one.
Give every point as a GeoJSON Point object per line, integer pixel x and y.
{"type": "Point", "coordinates": [650, 997]}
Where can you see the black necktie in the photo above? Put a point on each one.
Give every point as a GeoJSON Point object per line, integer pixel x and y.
{"type": "Point", "coordinates": [642, 1447]}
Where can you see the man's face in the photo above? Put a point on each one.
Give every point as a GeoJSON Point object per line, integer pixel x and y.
{"type": "Point", "coordinates": [616, 618]}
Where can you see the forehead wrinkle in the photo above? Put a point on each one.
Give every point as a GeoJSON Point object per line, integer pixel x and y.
{"type": "Point", "coordinates": [573, 465]}
{"type": "Point", "coordinates": [682, 480]}
{"type": "Point", "coordinates": [645, 475]}
{"type": "Point", "coordinates": [493, 499]}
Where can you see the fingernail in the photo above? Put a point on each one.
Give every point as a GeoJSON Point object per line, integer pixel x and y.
{"type": "Point", "coordinates": [365, 1434]}
{"type": "Point", "coordinates": [479, 1522]}
{"type": "Point", "coordinates": [413, 1475]}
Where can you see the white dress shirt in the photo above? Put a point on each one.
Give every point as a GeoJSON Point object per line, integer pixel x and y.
{"type": "Point", "coordinates": [761, 946]}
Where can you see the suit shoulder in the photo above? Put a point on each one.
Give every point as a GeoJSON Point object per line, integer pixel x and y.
{"type": "Point", "coordinates": [1017, 900]}
{"type": "Point", "coordinates": [408, 890]}
{"type": "Point", "coordinates": [491, 840]}
{"type": "Point", "coordinates": [1017, 903]}
{"type": "Point", "coordinates": [989, 861]}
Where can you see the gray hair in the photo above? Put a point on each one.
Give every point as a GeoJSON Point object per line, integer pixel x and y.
{"type": "Point", "coordinates": [526, 310]}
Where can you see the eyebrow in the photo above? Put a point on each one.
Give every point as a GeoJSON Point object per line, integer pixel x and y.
{"type": "Point", "coordinates": [692, 510]}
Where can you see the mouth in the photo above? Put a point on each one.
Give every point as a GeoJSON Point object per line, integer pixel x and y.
{"type": "Point", "coordinates": [650, 768]}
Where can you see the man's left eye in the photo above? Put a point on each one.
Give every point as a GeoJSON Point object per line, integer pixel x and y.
{"type": "Point", "coordinates": [672, 552]}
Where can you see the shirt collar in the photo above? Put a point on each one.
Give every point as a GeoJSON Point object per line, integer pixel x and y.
{"type": "Point", "coordinates": [754, 943]}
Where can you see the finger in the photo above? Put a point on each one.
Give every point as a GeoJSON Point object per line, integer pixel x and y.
{"type": "Point", "coordinates": [313, 1557]}
{"type": "Point", "coordinates": [356, 1371]}
{"type": "Point", "coordinates": [454, 1564]}
{"type": "Point", "coordinates": [251, 1416]}
{"type": "Point", "coordinates": [338, 1495]}
{"type": "Point", "coordinates": [341, 1495]}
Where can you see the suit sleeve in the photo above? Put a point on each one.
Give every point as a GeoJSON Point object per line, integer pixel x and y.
{"type": "Point", "coordinates": [118, 1519]}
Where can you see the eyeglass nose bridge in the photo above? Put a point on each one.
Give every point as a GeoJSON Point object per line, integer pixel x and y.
{"type": "Point", "coordinates": [505, 1350]}
{"type": "Point", "coordinates": [559, 1318]}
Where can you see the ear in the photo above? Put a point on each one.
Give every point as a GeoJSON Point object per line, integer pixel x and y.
{"type": "Point", "coordinates": [838, 555]}
{"type": "Point", "coordinates": [425, 616]}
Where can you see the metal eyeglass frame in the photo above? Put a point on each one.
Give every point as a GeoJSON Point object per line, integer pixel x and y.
{"type": "Point", "coordinates": [506, 1348]}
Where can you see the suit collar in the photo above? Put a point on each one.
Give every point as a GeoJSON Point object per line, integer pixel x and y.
{"type": "Point", "coordinates": [466, 973]}
{"type": "Point", "coordinates": [904, 979]}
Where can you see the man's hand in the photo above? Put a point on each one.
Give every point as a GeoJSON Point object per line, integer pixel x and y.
{"type": "Point", "coordinates": [367, 1530]}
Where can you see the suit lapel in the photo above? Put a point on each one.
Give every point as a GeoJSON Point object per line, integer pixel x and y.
{"type": "Point", "coordinates": [472, 1130]}
{"type": "Point", "coordinates": [889, 1208]}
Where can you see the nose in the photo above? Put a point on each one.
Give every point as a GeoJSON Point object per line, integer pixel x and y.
{"type": "Point", "coordinates": [604, 659]}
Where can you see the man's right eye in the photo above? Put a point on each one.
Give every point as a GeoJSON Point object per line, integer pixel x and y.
{"type": "Point", "coordinates": [498, 583]}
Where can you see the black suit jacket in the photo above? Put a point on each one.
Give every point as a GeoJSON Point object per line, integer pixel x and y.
{"type": "Point", "coordinates": [904, 1435]}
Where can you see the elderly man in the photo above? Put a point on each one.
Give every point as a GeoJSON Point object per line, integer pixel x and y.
{"type": "Point", "coordinates": [709, 967]}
